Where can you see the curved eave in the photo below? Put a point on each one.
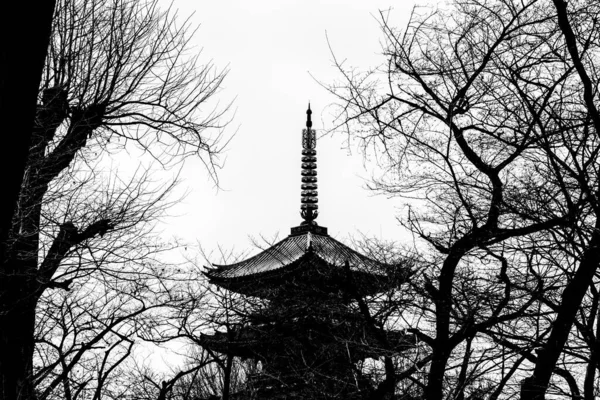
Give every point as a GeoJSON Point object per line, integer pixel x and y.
{"type": "Point", "coordinates": [228, 267]}
{"type": "Point", "coordinates": [251, 284]}
{"type": "Point", "coordinates": [311, 272]}
{"type": "Point", "coordinates": [261, 284]}
{"type": "Point", "coordinates": [279, 265]}
{"type": "Point", "coordinates": [282, 253]}
{"type": "Point", "coordinates": [289, 250]}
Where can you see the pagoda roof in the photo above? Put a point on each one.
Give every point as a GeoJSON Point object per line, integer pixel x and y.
{"type": "Point", "coordinates": [290, 250]}
{"type": "Point", "coordinates": [305, 248]}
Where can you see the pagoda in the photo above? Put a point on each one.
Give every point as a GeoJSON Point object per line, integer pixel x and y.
{"type": "Point", "coordinates": [307, 328]}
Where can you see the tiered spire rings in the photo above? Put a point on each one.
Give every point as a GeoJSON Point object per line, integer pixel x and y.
{"type": "Point", "coordinates": [309, 200]}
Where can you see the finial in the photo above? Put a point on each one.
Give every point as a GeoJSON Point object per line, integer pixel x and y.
{"type": "Point", "coordinates": [309, 200]}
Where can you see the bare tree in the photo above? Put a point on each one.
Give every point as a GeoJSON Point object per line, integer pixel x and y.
{"type": "Point", "coordinates": [85, 336]}
{"type": "Point", "coordinates": [185, 383]}
{"type": "Point", "coordinates": [118, 74]}
{"type": "Point", "coordinates": [484, 116]}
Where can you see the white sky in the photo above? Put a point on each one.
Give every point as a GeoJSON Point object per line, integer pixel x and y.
{"type": "Point", "coordinates": [271, 49]}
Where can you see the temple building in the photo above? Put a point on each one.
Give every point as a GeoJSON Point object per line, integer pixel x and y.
{"type": "Point", "coordinates": [307, 325]}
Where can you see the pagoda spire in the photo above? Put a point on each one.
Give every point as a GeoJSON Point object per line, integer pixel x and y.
{"type": "Point", "coordinates": [309, 199]}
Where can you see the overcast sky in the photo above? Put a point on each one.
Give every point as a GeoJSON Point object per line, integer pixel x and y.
{"type": "Point", "coordinates": [275, 51]}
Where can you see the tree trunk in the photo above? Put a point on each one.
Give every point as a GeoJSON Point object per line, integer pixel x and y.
{"type": "Point", "coordinates": [443, 305]}
{"type": "Point", "coordinates": [24, 37]}
{"type": "Point", "coordinates": [19, 292]}
{"type": "Point", "coordinates": [590, 374]}
{"type": "Point", "coordinates": [17, 340]}
{"type": "Point", "coordinates": [534, 387]}
{"type": "Point", "coordinates": [227, 377]}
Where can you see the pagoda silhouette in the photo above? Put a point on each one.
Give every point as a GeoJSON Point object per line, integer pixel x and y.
{"type": "Point", "coordinates": [309, 332]}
